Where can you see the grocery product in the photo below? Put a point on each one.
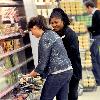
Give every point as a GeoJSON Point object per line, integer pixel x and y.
{"type": "Point", "coordinates": [16, 44]}
{"type": "Point", "coordinates": [78, 27]}
{"type": "Point", "coordinates": [72, 7]}
{"type": "Point", "coordinates": [3, 84]}
{"type": "Point", "coordinates": [88, 79]}
{"type": "Point", "coordinates": [98, 4]}
{"type": "Point", "coordinates": [15, 59]}
{"type": "Point", "coordinates": [87, 20]}
{"type": "Point", "coordinates": [8, 63]}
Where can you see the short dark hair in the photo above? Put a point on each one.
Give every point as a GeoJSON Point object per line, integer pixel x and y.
{"type": "Point", "coordinates": [58, 12]}
{"type": "Point", "coordinates": [89, 4]}
{"type": "Point", "coordinates": [39, 21]}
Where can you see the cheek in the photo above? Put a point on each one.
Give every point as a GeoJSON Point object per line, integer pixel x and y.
{"type": "Point", "coordinates": [33, 33]}
{"type": "Point", "coordinates": [62, 25]}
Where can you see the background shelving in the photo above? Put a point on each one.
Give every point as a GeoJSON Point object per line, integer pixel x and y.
{"type": "Point", "coordinates": [15, 48]}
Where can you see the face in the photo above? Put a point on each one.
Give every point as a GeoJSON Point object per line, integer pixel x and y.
{"type": "Point", "coordinates": [89, 10]}
{"type": "Point", "coordinates": [35, 31]}
{"type": "Point", "coordinates": [56, 23]}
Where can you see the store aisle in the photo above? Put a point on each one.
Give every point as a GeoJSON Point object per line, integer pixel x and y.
{"type": "Point", "coordinates": [93, 95]}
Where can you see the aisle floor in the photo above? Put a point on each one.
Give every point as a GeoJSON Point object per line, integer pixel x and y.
{"type": "Point", "coordinates": [93, 95]}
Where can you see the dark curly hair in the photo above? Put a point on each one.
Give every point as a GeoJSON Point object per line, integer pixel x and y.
{"type": "Point", "coordinates": [39, 21]}
{"type": "Point", "coordinates": [59, 13]}
{"type": "Point", "coordinates": [89, 4]}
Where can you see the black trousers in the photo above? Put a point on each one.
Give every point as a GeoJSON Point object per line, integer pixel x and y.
{"type": "Point", "coordinates": [73, 88]}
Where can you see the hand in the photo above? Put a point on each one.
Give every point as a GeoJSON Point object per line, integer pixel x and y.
{"type": "Point", "coordinates": [32, 74]}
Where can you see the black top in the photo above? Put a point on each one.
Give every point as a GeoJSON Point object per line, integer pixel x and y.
{"type": "Point", "coordinates": [70, 41]}
{"type": "Point", "coordinates": [95, 28]}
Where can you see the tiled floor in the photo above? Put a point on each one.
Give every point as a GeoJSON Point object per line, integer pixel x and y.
{"type": "Point", "coordinates": [93, 95]}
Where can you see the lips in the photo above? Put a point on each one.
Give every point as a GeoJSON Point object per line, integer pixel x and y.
{"type": "Point", "coordinates": [55, 29]}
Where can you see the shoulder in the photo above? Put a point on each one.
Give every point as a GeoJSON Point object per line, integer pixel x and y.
{"type": "Point", "coordinates": [49, 36]}
{"type": "Point", "coordinates": [97, 12]}
{"type": "Point", "coordinates": [69, 32]}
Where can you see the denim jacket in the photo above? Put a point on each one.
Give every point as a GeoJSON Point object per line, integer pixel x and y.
{"type": "Point", "coordinates": [52, 55]}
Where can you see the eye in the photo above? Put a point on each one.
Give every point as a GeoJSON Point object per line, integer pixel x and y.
{"type": "Point", "coordinates": [55, 22]}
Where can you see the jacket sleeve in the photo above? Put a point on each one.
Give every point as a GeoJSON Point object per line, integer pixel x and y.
{"type": "Point", "coordinates": [74, 54]}
{"type": "Point", "coordinates": [43, 55]}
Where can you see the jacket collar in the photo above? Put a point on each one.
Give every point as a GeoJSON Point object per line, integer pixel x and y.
{"type": "Point", "coordinates": [61, 32]}
{"type": "Point", "coordinates": [94, 10]}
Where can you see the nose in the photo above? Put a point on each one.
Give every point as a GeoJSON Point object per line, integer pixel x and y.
{"type": "Point", "coordinates": [53, 25]}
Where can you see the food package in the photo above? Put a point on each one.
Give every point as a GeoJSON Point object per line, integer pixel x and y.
{"type": "Point", "coordinates": [17, 44]}
{"type": "Point", "coordinates": [3, 84]}
{"type": "Point", "coordinates": [15, 59]}
{"type": "Point", "coordinates": [8, 63]}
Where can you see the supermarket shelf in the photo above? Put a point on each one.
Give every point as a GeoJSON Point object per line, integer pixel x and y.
{"type": "Point", "coordinates": [9, 36]}
{"type": "Point", "coordinates": [23, 63]}
{"type": "Point", "coordinates": [90, 89]}
{"type": "Point", "coordinates": [15, 67]}
{"type": "Point", "coordinates": [89, 68]}
{"type": "Point", "coordinates": [7, 90]}
{"type": "Point", "coordinates": [82, 50]}
{"type": "Point", "coordinates": [44, 5]}
{"type": "Point", "coordinates": [11, 4]}
{"type": "Point", "coordinates": [14, 51]}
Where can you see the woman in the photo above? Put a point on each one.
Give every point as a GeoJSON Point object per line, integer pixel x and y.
{"type": "Point", "coordinates": [53, 61]}
{"type": "Point", "coordinates": [60, 21]}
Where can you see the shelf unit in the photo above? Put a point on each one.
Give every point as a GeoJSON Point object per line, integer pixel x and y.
{"type": "Point", "coordinates": [19, 58]}
{"type": "Point", "coordinates": [7, 90]}
{"type": "Point", "coordinates": [45, 8]}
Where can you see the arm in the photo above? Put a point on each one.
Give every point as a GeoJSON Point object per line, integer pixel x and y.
{"type": "Point", "coordinates": [73, 53]}
{"type": "Point", "coordinates": [44, 50]}
{"type": "Point", "coordinates": [95, 22]}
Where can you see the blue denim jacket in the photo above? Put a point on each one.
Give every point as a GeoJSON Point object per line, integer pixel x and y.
{"type": "Point", "coordinates": [52, 55]}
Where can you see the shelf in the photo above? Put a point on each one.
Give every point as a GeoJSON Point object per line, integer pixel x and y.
{"type": "Point", "coordinates": [15, 67]}
{"type": "Point", "coordinates": [14, 51]}
{"type": "Point", "coordinates": [48, 6]}
{"type": "Point", "coordinates": [82, 50]}
{"type": "Point", "coordinates": [11, 4]}
{"type": "Point", "coordinates": [45, 5]}
{"type": "Point", "coordinates": [9, 36]}
{"type": "Point", "coordinates": [7, 90]}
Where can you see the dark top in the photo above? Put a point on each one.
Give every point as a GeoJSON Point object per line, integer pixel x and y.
{"type": "Point", "coordinates": [52, 55]}
{"type": "Point", "coordinates": [95, 28]}
{"type": "Point", "coordinates": [71, 43]}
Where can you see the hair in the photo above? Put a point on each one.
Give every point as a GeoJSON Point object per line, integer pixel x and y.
{"type": "Point", "coordinates": [89, 4]}
{"type": "Point", "coordinates": [23, 23]}
{"type": "Point", "coordinates": [59, 13]}
{"type": "Point", "coordinates": [38, 21]}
